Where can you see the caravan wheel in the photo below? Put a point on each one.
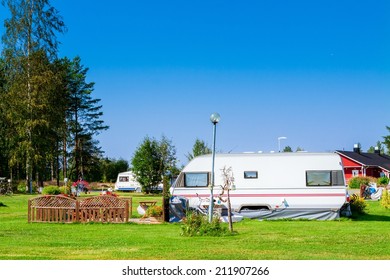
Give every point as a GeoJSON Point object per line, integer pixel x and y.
{"type": "Point", "coordinates": [254, 208]}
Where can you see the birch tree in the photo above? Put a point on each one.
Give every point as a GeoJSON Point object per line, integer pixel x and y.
{"type": "Point", "coordinates": [30, 30]}
{"type": "Point", "coordinates": [4, 127]}
{"type": "Point", "coordinates": [228, 183]}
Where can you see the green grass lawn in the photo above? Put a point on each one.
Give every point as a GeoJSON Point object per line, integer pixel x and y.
{"type": "Point", "coordinates": [363, 238]}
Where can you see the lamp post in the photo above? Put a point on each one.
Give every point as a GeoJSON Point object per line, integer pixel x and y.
{"type": "Point", "coordinates": [281, 138]}
{"type": "Point", "coordinates": [9, 185]}
{"type": "Point", "coordinates": [214, 118]}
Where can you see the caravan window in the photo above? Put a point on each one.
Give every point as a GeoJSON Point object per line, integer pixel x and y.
{"type": "Point", "coordinates": [196, 179]}
{"type": "Point", "coordinates": [250, 175]}
{"type": "Point", "coordinates": [318, 178]}
{"type": "Point", "coordinates": [123, 178]}
{"type": "Point", "coordinates": [338, 178]}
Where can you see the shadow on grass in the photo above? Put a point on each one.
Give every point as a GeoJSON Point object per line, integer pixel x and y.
{"type": "Point", "coordinates": [369, 217]}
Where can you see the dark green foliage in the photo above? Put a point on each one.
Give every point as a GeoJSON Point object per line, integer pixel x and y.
{"type": "Point", "coordinates": [2, 204]}
{"type": "Point", "coordinates": [199, 148]}
{"type": "Point", "coordinates": [5, 187]}
{"type": "Point", "coordinates": [383, 181]}
{"type": "Point", "coordinates": [4, 124]}
{"type": "Point", "coordinates": [83, 120]}
{"type": "Point", "coordinates": [46, 107]}
{"type": "Point", "coordinates": [378, 146]}
{"type": "Point", "coordinates": [111, 168]}
{"type": "Point", "coordinates": [386, 141]}
{"type": "Point", "coordinates": [197, 225]}
{"type": "Point", "coordinates": [152, 161]}
{"type": "Point", "coordinates": [30, 45]}
{"type": "Point", "coordinates": [146, 164]}
{"type": "Point", "coordinates": [287, 149]}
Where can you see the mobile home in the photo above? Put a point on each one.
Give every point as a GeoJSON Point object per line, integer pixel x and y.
{"type": "Point", "coordinates": [127, 182]}
{"type": "Point", "coordinates": [276, 185]}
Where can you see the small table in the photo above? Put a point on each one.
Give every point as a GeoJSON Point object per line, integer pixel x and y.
{"type": "Point", "coordinates": [146, 204]}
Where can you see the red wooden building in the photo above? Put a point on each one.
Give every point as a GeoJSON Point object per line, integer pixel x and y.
{"type": "Point", "coordinates": [357, 163]}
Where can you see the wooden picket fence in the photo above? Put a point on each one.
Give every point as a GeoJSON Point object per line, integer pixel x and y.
{"type": "Point", "coordinates": [62, 209]}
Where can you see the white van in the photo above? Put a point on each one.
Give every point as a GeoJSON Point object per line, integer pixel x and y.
{"type": "Point", "coordinates": [279, 185]}
{"type": "Point", "coordinates": [127, 182]}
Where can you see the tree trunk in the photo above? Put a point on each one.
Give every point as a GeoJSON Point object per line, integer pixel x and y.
{"type": "Point", "coordinates": [52, 170]}
{"type": "Point", "coordinates": [229, 211]}
{"type": "Point", "coordinates": [29, 130]}
{"type": "Point", "coordinates": [57, 164]}
{"type": "Point", "coordinates": [76, 147]}
{"type": "Point", "coordinates": [28, 174]}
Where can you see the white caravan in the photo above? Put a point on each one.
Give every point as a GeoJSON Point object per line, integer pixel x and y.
{"type": "Point", "coordinates": [126, 182]}
{"type": "Point", "coordinates": [277, 185]}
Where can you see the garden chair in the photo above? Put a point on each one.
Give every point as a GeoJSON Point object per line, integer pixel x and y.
{"type": "Point", "coordinates": [377, 195]}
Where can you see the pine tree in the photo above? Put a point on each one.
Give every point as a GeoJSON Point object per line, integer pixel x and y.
{"type": "Point", "coordinates": [83, 118]}
{"type": "Point", "coordinates": [386, 141]}
{"type": "Point", "coordinates": [199, 148]}
{"type": "Point", "coordinates": [378, 146]}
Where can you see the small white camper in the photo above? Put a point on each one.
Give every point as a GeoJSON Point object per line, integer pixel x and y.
{"type": "Point", "coordinates": [127, 182]}
{"type": "Point", "coordinates": [277, 185]}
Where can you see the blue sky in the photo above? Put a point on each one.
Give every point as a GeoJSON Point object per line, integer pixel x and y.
{"type": "Point", "coordinates": [316, 72]}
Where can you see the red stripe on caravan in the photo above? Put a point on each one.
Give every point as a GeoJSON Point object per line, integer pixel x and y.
{"type": "Point", "coordinates": [290, 195]}
{"type": "Point", "coordinates": [270, 195]}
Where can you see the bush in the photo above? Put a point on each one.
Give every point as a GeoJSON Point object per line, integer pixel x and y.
{"type": "Point", "coordinates": [154, 211]}
{"type": "Point", "coordinates": [64, 190]}
{"type": "Point", "coordinates": [357, 204]}
{"type": "Point", "coordinates": [356, 182]}
{"type": "Point", "coordinates": [383, 181]}
{"type": "Point", "coordinates": [197, 225]}
{"type": "Point", "coordinates": [21, 187]}
{"type": "Point", "coordinates": [385, 200]}
{"type": "Point", "coordinates": [51, 190]}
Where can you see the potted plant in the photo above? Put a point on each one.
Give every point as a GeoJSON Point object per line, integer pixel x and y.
{"type": "Point", "coordinates": [154, 213]}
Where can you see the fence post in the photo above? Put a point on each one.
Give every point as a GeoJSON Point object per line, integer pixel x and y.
{"type": "Point", "coordinates": [126, 211]}
{"type": "Point", "coordinates": [165, 199]}
{"type": "Point", "coordinates": [77, 211]}
{"type": "Point", "coordinates": [131, 207]}
{"type": "Point", "coordinates": [165, 206]}
{"type": "Point", "coordinates": [29, 210]}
